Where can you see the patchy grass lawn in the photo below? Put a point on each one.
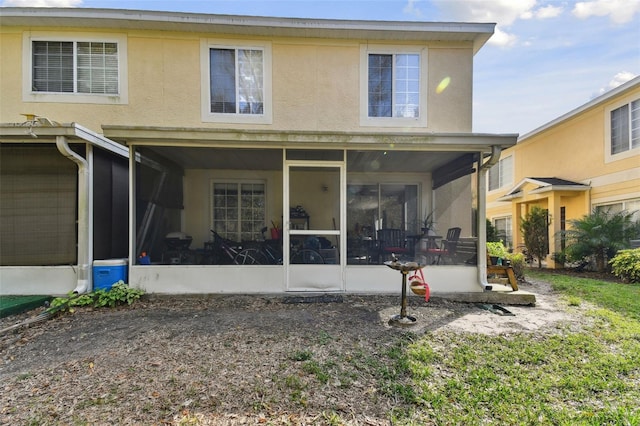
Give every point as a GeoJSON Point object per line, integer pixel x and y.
{"type": "Point", "coordinates": [588, 377]}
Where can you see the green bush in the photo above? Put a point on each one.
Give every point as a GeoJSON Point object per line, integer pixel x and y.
{"type": "Point", "coordinates": [497, 249]}
{"type": "Point", "coordinates": [119, 294]}
{"type": "Point", "coordinates": [599, 236]}
{"type": "Point", "coordinates": [626, 265]}
{"type": "Point", "coordinates": [518, 264]}
{"type": "Point", "coordinates": [517, 260]}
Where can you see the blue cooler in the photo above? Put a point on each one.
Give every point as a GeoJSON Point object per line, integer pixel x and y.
{"type": "Point", "coordinates": [108, 272]}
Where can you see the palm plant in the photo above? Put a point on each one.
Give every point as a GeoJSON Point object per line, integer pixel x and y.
{"type": "Point", "coordinates": [600, 235]}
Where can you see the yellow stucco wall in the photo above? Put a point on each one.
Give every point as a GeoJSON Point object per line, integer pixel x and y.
{"type": "Point", "coordinates": [575, 149]}
{"type": "Point", "coordinates": [164, 84]}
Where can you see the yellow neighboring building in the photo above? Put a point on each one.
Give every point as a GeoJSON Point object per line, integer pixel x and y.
{"type": "Point", "coordinates": [586, 159]}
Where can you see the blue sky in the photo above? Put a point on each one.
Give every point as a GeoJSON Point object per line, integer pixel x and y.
{"type": "Point", "coordinates": [546, 58]}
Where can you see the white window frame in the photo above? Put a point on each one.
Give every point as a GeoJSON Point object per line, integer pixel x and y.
{"type": "Point", "coordinates": [503, 180]}
{"type": "Point", "coordinates": [29, 95]}
{"type": "Point", "coordinates": [630, 152]}
{"type": "Point", "coordinates": [206, 115]}
{"type": "Point", "coordinates": [508, 229]}
{"type": "Point", "coordinates": [628, 205]}
{"type": "Point", "coordinates": [365, 120]}
{"type": "Point", "coordinates": [239, 183]}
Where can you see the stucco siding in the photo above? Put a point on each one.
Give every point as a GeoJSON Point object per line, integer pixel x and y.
{"type": "Point", "coordinates": [315, 83]}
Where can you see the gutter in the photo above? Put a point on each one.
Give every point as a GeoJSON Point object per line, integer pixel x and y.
{"type": "Point", "coordinates": [482, 214]}
{"type": "Point", "coordinates": [84, 283]}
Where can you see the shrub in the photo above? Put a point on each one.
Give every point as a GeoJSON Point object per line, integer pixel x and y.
{"type": "Point", "coordinates": [626, 265]}
{"type": "Point", "coordinates": [497, 249]}
{"type": "Point", "coordinates": [119, 294]}
{"type": "Point", "coordinates": [517, 263]}
{"type": "Point", "coordinates": [599, 236]}
{"type": "Point", "coordinates": [516, 260]}
{"type": "Point", "coordinates": [535, 230]}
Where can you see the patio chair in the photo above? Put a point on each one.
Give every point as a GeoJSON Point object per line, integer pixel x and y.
{"type": "Point", "coordinates": [392, 241]}
{"type": "Point", "coordinates": [447, 246]}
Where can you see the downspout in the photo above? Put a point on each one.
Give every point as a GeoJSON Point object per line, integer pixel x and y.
{"type": "Point", "coordinates": [84, 266]}
{"type": "Point", "coordinates": [482, 214]}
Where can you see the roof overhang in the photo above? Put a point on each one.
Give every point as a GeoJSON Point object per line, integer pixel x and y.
{"type": "Point", "coordinates": [475, 33]}
{"type": "Point", "coordinates": [46, 131]}
{"type": "Point", "coordinates": [543, 186]}
{"type": "Point", "coordinates": [242, 138]}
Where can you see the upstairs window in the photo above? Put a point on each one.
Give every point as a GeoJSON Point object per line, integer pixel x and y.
{"type": "Point", "coordinates": [501, 174]}
{"type": "Point", "coordinates": [237, 81]}
{"type": "Point", "coordinates": [625, 127]}
{"type": "Point", "coordinates": [86, 67]}
{"type": "Point", "coordinates": [394, 85]}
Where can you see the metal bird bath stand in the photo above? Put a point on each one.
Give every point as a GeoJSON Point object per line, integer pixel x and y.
{"type": "Point", "coordinates": [404, 268]}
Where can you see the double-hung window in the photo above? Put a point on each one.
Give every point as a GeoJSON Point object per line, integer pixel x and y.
{"type": "Point", "coordinates": [501, 174]}
{"type": "Point", "coordinates": [63, 68]}
{"type": "Point", "coordinates": [237, 79]}
{"type": "Point", "coordinates": [625, 127]}
{"type": "Point", "coordinates": [392, 85]}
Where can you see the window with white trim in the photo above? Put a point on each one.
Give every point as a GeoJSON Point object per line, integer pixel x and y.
{"type": "Point", "coordinates": [65, 67]}
{"type": "Point", "coordinates": [625, 127]}
{"type": "Point", "coordinates": [394, 85]}
{"type": "Point", "coordinates": [630, 206]}
{"type": "Point", "coordinates": [503, 229]}
{"type": "Point", "coordinates": [501, 174]}
{"type": "Point", "coordinates": [239, 209]}
{"type": "Point", "coordinates": [75, 67]}
{"type": "Point", "coordinates": [393, 81]}
{"type": "Point", "coordinates": [236, 80]}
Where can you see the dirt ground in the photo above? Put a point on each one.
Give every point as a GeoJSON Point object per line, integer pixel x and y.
{"type": "Point", "coordinates": [230, 359]}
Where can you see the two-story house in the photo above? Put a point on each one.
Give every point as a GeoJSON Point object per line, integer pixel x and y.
{"type": "Point", "coordinates": [586, 159]}
{"type": "Point", "coordinates": [335, 134]}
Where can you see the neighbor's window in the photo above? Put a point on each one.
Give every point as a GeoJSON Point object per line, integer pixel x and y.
{"type": "Point", "coordinates": [237, 81]}
{"type": "Point", "coordinates": [501, 174]}
{"type": "Point", "coordinates": [630, 206]}
{"type": "Point", "coordinates": [89, 67]}
{"type": "Point", "coordinates": [625, 127]}
{"type": "Point", "coordinates": [238, 209]}
{"type": "Point", "coordinates": [394, 85]}
{"type": "Point", "coordinates": [503, 228]}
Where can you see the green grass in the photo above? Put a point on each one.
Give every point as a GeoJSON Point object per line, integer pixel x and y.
{"type": "Point", "coordinates": [621, 298]}
{"type": "Point", "coordinates": [590, 377]}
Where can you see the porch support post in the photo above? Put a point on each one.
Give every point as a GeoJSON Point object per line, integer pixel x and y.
{"type": "Point", "coordinates": [132, 208]}
{"type": "Point", "coordinates": [483, 169]}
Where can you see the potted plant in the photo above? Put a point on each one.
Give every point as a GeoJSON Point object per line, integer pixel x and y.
{"type": "Point", "coordinates": [497, 252]}
{"type": "Point", "coordinates": [428, 224]}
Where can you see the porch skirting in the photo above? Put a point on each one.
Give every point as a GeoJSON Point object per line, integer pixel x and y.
{"type": "Point", "coordinates": [202, 279]}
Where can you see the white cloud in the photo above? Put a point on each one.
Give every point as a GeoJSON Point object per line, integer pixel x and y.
{"type": "Point", "coordinates": [502, 39]}
{"type": "Point", "coordinates": [547, 12]}
{"type": "Point", "coordinates": [503, 12]}
{"type": "Point", "coordinates": [41, 3]}
{"type": "Point", "coordinates": [411, 9]}
{"type": "Point", "coordinates": [619, 11]}
{"type": "Point", "coordinates": [618, 79]}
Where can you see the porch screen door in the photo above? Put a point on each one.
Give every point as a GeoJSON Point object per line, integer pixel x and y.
{"type": "Point", "coordinates": [313, 214]}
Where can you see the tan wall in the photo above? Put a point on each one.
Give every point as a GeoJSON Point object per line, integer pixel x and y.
{"type": "Point", "coordinates": [197, 198]}
{"type": "Point", "coordinates": [316, 85]}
